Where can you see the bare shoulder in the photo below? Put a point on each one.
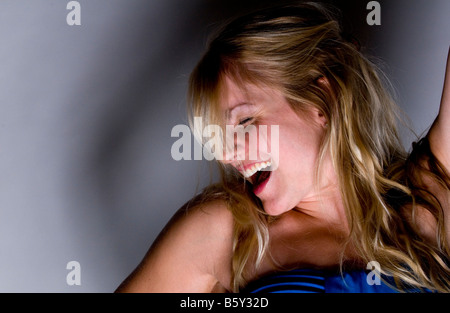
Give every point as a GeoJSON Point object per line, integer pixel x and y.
{"type": "Point", "coordinates": [191, 254]}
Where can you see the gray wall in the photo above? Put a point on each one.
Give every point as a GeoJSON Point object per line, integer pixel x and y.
{"type": "Point", "coordinates": [86, 113]}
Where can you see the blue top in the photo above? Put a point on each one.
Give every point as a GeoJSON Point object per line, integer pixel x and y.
{"type": "Point", "coordinates": [318, 281]}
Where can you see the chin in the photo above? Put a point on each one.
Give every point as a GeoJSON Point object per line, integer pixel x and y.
{"type": "Point", "coordinates": [275, 209]}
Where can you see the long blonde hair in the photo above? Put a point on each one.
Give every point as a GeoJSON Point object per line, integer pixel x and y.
{"type": "Point", "coordinates": [291, 48]}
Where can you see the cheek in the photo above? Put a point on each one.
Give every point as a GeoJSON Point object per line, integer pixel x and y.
{"type": "Point", "coordinates": [269, 144]}
{"type": "Point", "coordinates": [296, 160]}
{"type": "Point", "coordinates": [299, 153]}
{"type": "Point", "coordinates": [299, 145]}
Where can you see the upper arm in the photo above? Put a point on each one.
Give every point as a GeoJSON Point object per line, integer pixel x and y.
{"type": "Point", "coordinates": [439, 139]}
{"type": "Point", "coordinates": [439, 135]}
{"type": "Point", "coordinates": [192, 254]}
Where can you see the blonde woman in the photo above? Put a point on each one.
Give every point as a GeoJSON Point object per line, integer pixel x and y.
{"type": "Point", "coordinates": [341, 193]}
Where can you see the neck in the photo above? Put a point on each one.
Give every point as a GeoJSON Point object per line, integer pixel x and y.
{"type": "Point", "coordinates": [325, 202]}
{"type": "Point", "coordinates": [328, 208]}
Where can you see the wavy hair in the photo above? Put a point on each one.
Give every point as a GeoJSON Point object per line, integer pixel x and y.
{"type": "Point", "coordinates": [290, 48]}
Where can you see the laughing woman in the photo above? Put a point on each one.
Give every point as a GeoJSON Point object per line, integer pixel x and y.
{"type": "Point", "coordinates": [339, 194]}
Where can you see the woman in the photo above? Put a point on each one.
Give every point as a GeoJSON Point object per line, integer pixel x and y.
{"type": "Point", "coordinates": [341, 192]}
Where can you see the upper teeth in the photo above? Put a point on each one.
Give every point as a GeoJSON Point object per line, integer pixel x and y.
{"type": "Point", "coordinates": [256, 167]}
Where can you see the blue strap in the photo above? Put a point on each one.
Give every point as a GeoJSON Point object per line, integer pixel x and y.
{"type": "Point", "coordinates": [316, 281]}
{"type": "Point", "coordinates": [355, 282]}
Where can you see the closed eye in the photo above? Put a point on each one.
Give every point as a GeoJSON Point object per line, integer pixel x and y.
{"type": "Point", "coordinates": [245, 120]}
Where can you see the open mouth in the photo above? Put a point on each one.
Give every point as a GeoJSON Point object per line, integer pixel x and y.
{"type": "Point", "coordinates": [258, 175]}
{"type": "Point", "coordinates": [259, 179]}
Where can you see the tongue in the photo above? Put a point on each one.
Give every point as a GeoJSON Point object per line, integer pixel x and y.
{"type": "Point", "coordinates": [260, 177]}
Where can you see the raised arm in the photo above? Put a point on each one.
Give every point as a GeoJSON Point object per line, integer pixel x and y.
{"type": "Point", "coordinates": [192, 254]}
{"type": "Point", "coordinates": [439, 135]}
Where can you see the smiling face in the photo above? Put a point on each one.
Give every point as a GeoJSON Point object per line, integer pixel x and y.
{"type": "Point", "coordinates": [299, 143]}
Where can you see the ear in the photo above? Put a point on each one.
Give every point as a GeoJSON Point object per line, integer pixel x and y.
{"type": "Point", "coordinates": [320, 118]}
{"type": "Point", "coordinates": [323, 83]}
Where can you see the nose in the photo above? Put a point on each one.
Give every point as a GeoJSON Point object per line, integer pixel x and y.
{"type": "Point", "coordinates": [236, 147]}
{"type": "Point", "coordinates": [232, 153]}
